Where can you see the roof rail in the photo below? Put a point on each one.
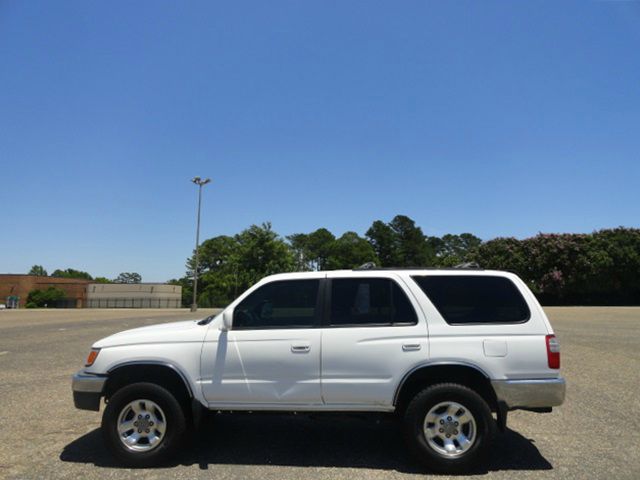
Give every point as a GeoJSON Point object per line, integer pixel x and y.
{"type": "Point", "coordinates": [367, 266]}
{"type": "Point", "coordinates": [467, 265]}
{"type": "Point", "coordinates": [461, 266]}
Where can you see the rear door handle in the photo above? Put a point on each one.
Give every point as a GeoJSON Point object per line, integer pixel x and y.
{"type": "Point", "coordinates": [407, 347]}
{"type": "Point", "coordinates": [300, 348]}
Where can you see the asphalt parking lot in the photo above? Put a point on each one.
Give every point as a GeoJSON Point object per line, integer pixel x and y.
{"type": "Point", "coordinates": [596, 434]}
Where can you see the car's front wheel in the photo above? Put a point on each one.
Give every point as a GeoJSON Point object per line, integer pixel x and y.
{"type": "Point", "coordinates": [448, 427]}
{"type": "Point", "coordinates": [143, 424]}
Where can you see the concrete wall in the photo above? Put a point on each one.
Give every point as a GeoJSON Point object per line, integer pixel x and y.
{"type": "Point", "coordinates": [133, 295]}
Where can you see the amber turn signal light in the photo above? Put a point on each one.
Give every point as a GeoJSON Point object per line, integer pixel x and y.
{"type": "Point", "coordinates": [93, 354]}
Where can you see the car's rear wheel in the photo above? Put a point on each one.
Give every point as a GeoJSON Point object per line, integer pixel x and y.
{"type": "Point", "coordinates": [143, 424]}
{"type": "Point", "coordinates": [449, 428]}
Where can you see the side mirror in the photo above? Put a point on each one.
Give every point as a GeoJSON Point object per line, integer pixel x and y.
{"type": "Point", "coordinates": [227, 320]}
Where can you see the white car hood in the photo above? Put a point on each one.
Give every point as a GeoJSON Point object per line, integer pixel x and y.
{"type": "Point", "coordinates": [186, 331]}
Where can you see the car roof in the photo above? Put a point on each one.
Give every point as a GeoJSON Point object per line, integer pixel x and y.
{"type": "Point", "coordinates": [386, 272]}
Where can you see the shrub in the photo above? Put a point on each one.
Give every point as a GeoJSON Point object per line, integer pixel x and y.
{"type": "Point", "coordinates": [45, 298]}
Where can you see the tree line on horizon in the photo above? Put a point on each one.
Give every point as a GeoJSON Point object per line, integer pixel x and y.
{"type": "Point", "coordinates": [124, 277]}
{"type": "Point", "coordinates": [599, 268]}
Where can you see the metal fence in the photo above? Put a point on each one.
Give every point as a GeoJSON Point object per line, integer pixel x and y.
{"type": "Point", "coordinates": [65, 303]}
{"type": "Point", "coordinates": [133, 303]}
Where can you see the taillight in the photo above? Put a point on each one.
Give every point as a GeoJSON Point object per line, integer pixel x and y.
{"type": "Point", "coordinates": [553, 351]}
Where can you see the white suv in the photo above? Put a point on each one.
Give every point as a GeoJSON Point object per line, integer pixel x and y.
{"type": "Point", "coordinates": [441, 348]}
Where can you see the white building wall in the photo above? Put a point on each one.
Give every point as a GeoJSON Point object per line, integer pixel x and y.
{"type": "Point", "coordinates": [133, 295]}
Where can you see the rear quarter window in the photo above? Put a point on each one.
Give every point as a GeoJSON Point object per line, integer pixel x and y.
{"type": "Point", "coordinates": [474, 299]}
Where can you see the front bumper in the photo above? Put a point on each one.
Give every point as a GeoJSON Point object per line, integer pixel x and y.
{"type": "Point", "coordinates": [87, 390]}
{"type": "Point", "coordinates": [534, 394]}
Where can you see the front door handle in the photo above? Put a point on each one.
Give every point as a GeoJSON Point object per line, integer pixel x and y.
{"type": "Point", "coordinates": [408, 347]}
{"type": "Point", "coordinates": [300, 348]}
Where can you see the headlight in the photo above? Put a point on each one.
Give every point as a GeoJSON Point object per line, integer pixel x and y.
{"type": "Point", "coordinates": [93, 354]}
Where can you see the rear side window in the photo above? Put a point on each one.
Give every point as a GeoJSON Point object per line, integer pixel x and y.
{"type": "Point", "coordinates": [360, 302]}
{"type": "Point", "coordinates": [475, 299]}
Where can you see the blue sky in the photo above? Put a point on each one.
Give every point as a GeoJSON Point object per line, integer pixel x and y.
{"type": "Point", "coordinates": [496, 118]}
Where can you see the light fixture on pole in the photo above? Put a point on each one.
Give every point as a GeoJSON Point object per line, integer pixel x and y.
{"type": "Point", "coordinates": [200, 182]}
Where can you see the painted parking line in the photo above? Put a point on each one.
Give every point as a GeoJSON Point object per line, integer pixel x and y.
{"type": "Point", "coordinates": [3, 353]}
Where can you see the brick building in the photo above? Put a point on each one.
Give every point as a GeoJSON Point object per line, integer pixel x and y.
{"type": "Point", "coordinates": [15, 285]}
{"type": "Point", "coordinates": [82, 293]}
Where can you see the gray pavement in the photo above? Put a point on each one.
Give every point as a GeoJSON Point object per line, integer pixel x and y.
{"type": "Point", "coordinates": [596, 434]}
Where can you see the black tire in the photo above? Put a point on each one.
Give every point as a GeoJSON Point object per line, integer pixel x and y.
{"type": "Point", "coordinates": [414, 419]}
{"type": "Point", "coordinates": [169, 442]}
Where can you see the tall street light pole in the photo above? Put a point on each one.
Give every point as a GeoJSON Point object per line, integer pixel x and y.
{"type": "Point", "coordinates": [200, 182]}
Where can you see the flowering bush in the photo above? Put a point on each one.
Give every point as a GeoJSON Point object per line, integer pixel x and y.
{"type": "Point", "coordinates": [599, 268]}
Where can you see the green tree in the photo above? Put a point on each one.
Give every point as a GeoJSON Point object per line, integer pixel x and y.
{"type": "Point", "coordinates": [312, 250]}
{"type": "Point", "coordinates": [452, 250]}
{"type": "Point", "coordinates": [413, 249]}
{"type": "Point", "coordinates": [598, 268]}
{"type": "Point", "coordinates": [38, 270]}
{"type": "Point", "coordinates": [217, 272]}
{"type": "Point", "coordinates": [218, 289]}
{"type": "Point", "coordinates": [299, 246]}
{"type": "Point", "coordinates": [45, 298]}
{"type": "Point", "coordinates": [436, 245]}
{"type": "Point", "coordinates": [503, 254]}
{"type": "Point", "coordinates": [261, 252]}
{"type": "Point", "coordinates": [350, 251]}
{"type": "Point", "coordinates": [229, 265]}
{"type": "Point", "coordinates": [187, 289]}
{"type": "Point", "coordinates": [102, 280]}
{"type": "Point", "coordinates": [215, 254]}
{"type": "Point", "coordinates": [400, 243]}
{"type": "Point", "coordinates": [128, 277]}
{"type": "Point", "coordinates": [385, 243]}
{"type": "Point", "coordinates": [71, 273]}
{"type": "Point", "coordinates": [614, 255]}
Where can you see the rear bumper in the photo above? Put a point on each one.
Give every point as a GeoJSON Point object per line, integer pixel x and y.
{"type": "Point", "coordinates": [540, 393]}
{"type": "Point", "coordinates": [87, 390]}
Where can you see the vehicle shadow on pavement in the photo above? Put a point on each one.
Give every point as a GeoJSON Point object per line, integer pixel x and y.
{"type": "Point", "coordinates": [348, 441]}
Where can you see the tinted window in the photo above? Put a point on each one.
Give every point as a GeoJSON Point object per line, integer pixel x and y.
{"type": "Point", "coordinates": [475, 299]}
{"type": "Point", "coordinates": [369, 301]}
{"type": "Point", "coordinates": [288, 304]}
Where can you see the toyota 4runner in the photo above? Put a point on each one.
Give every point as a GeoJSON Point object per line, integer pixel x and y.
{"type": "Point", "coordinates": [446, 350]}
